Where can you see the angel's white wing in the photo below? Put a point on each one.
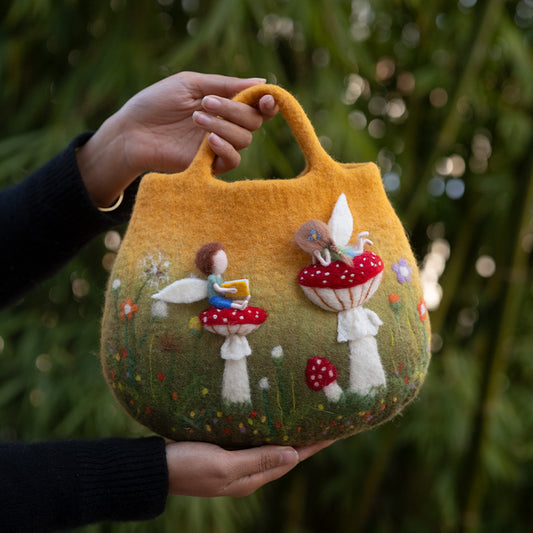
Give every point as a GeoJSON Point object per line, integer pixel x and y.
{"type": "Point", "coordinates": [183, 291]}
{"type": "Point", "coordinates": [341, 222]}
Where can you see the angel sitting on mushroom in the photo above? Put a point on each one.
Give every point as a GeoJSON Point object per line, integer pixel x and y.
{"type": "Point", "coordinates": [211, 260]}
{"type": "Point", "coordinates": [314, 237]}
{"type": "Point", "coordinates": [343, 286]}
{"type": "Point", "coordinates": [231, 318]}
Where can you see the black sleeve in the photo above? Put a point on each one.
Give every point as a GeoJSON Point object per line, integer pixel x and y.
{"type": "Point", "coordinates": [46, 219]}
{"type": "Point", "coordinates": [67, 484]}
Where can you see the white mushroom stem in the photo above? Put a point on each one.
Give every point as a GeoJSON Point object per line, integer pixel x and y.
{"type": "Point", "coordinates": [235, 383]}
{"type": "Point", "coordinates": [358, 327]}
{"type": "Point", "coordinates": [333, 392]}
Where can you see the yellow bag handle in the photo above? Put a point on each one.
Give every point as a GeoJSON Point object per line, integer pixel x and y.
{"type": "Point", "coordinates": [296, 118]}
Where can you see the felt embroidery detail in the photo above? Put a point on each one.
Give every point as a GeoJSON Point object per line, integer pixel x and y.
{"type": "Point", "coordinates": [422, 310]}
{"type": "Point", "coordinates": [343, 287]}
{"type": "Point", "coordinates": [314, 235]}
{"type": "Point", "coordinates": [155, 269]}
{"type": "Point", "coordinates": [127, 309]}
{"type": "Point", "coordinates": [403, 271]}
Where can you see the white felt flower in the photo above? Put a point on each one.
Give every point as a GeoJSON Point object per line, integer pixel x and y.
{"type": "Point", "coordinates": [276, 352]}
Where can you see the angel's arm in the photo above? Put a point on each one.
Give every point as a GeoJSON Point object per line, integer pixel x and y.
{"type": "Point", "coordinates": [218, 288]}
{"type": "Point", "coordinates": [324, 261]}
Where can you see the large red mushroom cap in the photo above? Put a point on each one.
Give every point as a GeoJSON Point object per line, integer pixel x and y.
{"type": "Point", "coordinates": [232, 321]}
{"type": "Point", "coordinates": [338, 286]}
{"type": "Point", "coordinates": [339, 275]}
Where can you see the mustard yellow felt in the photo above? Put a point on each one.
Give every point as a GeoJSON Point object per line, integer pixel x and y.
{"type": "Point", "coordinates": [167, 371]}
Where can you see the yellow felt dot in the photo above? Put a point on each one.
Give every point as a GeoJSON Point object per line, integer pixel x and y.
{"type": "Point", "coordinates": [267, 439]}
{"type": "Point", "coordinates": [241, 425]}
{"type": "Point", "coordinates": [250, 422]}
{"type": "Point", "coordinates": [219, 414]}
{"type": "Point", "coordinates": [339, 417]}
{"type": "Point", "coordinates": [117, 357]}
{"type": "Point", "coordinates": [195, 324]}
{"type": "Point", "coordinates": [255, 432]}
{"type": "Point", "coordinates": [208, 428]}
{"type": "Point", "coordinates": [204, 392]}
{"type": "Point", "coordinates": [321, 407]}
{"type": "Point", "coordinates": [137, 378]}
{"type": "Point", "coordinates": [286, 438]}
{"type": "Point", "coordinates": [395, 399]}
{"type": "Point", "coordinates": [192, 414]}
{"type": "Point", "coordinates": [120, 386]}
{"type": "Point", "coordinates": [263, 419]}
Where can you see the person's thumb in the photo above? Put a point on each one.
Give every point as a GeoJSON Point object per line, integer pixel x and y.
{"type": "Point", "coordinates": [257, 466]}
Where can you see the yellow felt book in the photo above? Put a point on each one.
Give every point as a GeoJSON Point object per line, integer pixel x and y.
{"type": "Point", "coordinates": [242, 286]}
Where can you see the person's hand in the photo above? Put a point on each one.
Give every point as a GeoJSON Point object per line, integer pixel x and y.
{"type": "Point", "coordinates": [161, 128]}
{"type": "Point", "coordinates": [202, 469]}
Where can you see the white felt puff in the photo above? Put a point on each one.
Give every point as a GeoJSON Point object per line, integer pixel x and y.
{"type": "Point", "coordinates": [235, 347]}
{"type": "Point", "coordinates": [341, 222]}
{"type": "Point", "coordinates": [357, 323]}
{"type": "Point", "coordinates": [183, 291]}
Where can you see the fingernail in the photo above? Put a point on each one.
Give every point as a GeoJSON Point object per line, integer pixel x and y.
{"type": "Point", "coordinates": [211, 103]}
{"type": "Point", "coordinates": [215, 139]}
{"type": "Point", "coordinates": [201, 118]}
{"type": "Point", "coordinates": [269, 100]}
{"type": "Point", "coordinates": [258, 80]}
{"type": "Point", "coordinates": [288, 456]}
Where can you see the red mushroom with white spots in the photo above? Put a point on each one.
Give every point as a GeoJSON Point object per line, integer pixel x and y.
{"type": "Point", "coordinates": [234, 324]}
{"type": "Point", "coordinates": [321, 374]}
{"type": "Point", "coordinates": [344, 289]}
{"type": "Point", "coordinates": [338, 286]}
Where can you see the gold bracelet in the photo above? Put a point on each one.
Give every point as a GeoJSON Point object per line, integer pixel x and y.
{"type": "Point", "coordinates": [114, 206]}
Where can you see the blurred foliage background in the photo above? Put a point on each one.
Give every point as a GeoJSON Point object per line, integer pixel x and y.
{"type": "Point", "coordinates": [440, 95]}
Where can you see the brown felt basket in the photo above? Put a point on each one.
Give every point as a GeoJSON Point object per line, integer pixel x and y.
{"type": "Point", "coordinates": [329, 344]}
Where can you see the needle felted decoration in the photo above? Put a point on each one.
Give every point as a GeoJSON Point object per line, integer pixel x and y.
{"type": "Point", "coordinates": [215, 331]}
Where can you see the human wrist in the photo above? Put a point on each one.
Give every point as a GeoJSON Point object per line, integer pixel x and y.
{"type": "Point", "coordinates": [103, 165]}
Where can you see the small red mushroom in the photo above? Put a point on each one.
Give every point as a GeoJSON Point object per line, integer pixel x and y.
{"type": "Point", "coordinates": [234, 324]}
{"type": "Point", "coordinates": [339, 287]}
{"type": "Point", "coordinates": [321, 374]}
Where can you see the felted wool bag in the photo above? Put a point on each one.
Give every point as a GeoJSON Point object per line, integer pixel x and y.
{"type": "Point", "coordinates": [265, 311]}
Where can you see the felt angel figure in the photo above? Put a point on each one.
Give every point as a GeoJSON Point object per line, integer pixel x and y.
{"type": "Point", "coordinates": [314, 237]}
{"type": "Point", "coordinates": [211, 260]}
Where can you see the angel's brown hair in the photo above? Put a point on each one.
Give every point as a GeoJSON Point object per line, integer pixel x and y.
{"type": "Point", "coordinates": [314, 235]}
{"type": "Point", "coordinates": [204, 257]}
